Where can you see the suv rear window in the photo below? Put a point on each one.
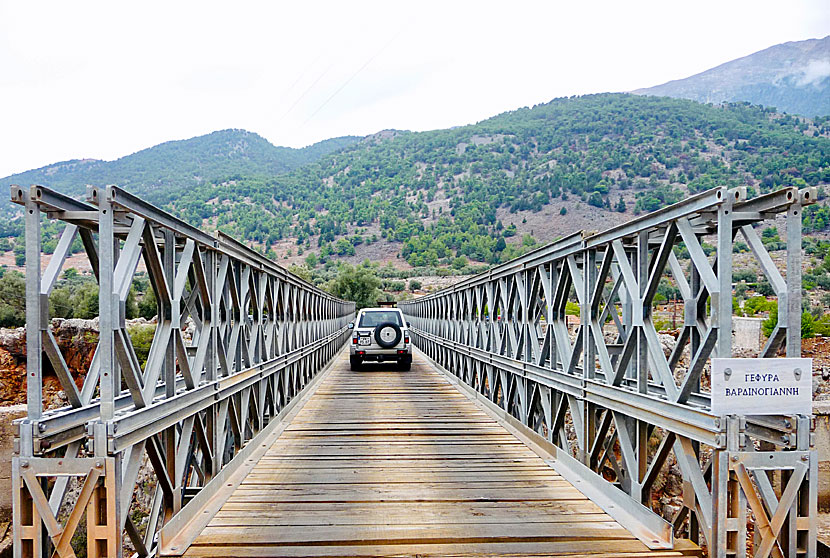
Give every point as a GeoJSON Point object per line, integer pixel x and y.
{"type": "Point", "coordinates": [377, 317]}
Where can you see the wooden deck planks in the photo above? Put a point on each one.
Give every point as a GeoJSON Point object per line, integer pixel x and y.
{"type": "Point", "coordinates": [389, 463]}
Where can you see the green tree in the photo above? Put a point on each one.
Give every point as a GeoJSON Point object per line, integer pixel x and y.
{"type": "Point", "coordinates": [359, 284]}
{"type": "Point", "coordinates": [19, 254]}
{"type": "Point", "coordinates": [12, 300]}
{"type": "Point", "coordinates": [62, 303]}
{"type": "Point", "coordinates": [147, 305]}
{"type": "Point", "coordinates": [301, 271]}
{"type": "Point", "coordinates": [807, 325]}
{"type": "Point", "coordinates": [86, 301]}
{"type": "Point", "coordinates": [131, 306]}
{"type": "Point", "coordinates": [141, 337]}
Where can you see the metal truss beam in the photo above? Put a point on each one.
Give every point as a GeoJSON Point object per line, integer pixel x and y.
{"type": "Point", "coordinates": [258, 336]}
{"type": "Point", "coordinates": [615, 406]}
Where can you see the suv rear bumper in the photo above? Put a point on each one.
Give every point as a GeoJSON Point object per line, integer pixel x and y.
{"type": "Point", "coordinates": [401, 353]}
{"type": "Point", "coordinates": [399, 356]}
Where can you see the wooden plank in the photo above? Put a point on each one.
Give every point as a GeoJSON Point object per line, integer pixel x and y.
{"type": "Point", "coordinates": [495, 512]}
{"type": "Point", "coordinates": [595, 549]}
{"type": "Point", "coordinates": [319, 494]}
{"type": "Point", "coordinates": [341, 476]}
{"type": "Point", "coordinates": [268, 481]}
{"type": "Point", "coordinates": [269, 534]}
{"type": "Point", "coordinates": [315, 518]}
{"type": "Point", "coordinates": [403, 464]}
{"type": "Point", "coordinates": [389, 463]}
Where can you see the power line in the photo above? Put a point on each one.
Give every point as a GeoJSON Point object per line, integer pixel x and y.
{"type": "Point", "coordinates": [301, 97]}
{"type": "Point", "coordinates": [354, 75]}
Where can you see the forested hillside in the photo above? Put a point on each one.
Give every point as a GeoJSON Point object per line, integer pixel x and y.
{"type": "Point", "coordinates": [483, 193]}
{"type": "Point", "coordinates": [157, 172]}
{"type": "Point", "coordinates": [467, 194]}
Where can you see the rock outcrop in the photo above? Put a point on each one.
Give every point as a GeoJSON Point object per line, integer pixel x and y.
{"type": "Point", "coordinates": [77, 340]}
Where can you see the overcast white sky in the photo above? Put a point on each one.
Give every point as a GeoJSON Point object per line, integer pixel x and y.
{"type": "Point", "coordinates": [103, 79]}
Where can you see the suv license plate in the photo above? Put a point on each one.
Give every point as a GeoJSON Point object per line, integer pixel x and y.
{"type": "Point", "coordinates": [365, 341]}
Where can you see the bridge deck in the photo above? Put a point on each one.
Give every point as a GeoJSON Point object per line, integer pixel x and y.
{"type": "Point", "coordinates": [381, 462]}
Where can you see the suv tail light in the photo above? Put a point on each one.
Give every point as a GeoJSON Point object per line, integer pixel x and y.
{"type": "Point", "coordinates": [406, 339]}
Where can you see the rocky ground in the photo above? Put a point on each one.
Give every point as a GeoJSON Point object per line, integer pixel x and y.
{"type": "Point", "coordinates": [77, 340]}
{"type": "Point", "coordinates": [818, 348]}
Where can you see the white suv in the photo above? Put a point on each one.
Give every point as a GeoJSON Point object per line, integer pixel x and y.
{"type": "Point", "coordinates": [380, 334]}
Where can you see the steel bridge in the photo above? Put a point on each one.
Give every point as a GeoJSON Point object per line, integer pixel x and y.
{"type": "Point", "coordinates": [512, 435]}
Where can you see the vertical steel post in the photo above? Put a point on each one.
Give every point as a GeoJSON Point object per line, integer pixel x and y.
{"type": "Point", "coordinates": [173, 315]}
{"type": "Point", "coordinates": [106, 313]}
{"type": "Point", "coordinates": [589, 311]}
{"type": "Point", "coordinates": [641, 436]}
{"type": "Point", "coordinates": [794, 280]}
{"type": "Point", "coordinates": [119, 310]}
{"type": "Point", "coordinates": [103, 510]}
{"type": "Point", "coordinates": [721, 316]}
{"type": "Point", "coordinates": [212, 315]}
{"type": "Point", "coordinates": [793, 348]}
{"type": "Point", "coordinates": [722, 301]}
{"type": "Point", "coordinates": [28, 535]}
{"type": "Point", "coordinates": [793, 343]}
{"type": "Point", "coordinates": [34, 317]}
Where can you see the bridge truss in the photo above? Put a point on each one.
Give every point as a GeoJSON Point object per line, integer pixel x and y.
{"type": "Point", "coordinates": [613, 408]}
{"type": "Point", "coordinates": [257, 337]}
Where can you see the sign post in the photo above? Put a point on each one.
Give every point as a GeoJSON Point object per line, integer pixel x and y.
{"type": "Point", "coordinates": [762, 386]}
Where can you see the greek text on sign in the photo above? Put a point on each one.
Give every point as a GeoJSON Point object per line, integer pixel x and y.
{"type": "Point", "coordinates": [762, 386]}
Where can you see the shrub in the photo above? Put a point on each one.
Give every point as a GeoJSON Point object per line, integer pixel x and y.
{"type": "Point", "coordinates": [396, 286]}
{"type": "Point", "coordinates": [12, 300]}
{"type": "Point", "coordinates": [768, 325]}
{"type": "Point", "coordinates": [86, 305]}
{"type": "Point", "coordinates": [807, 325]}
{"type": "Point", "coordinates": [764, 288]}
{"type": "Point", "coordinates": [147, 306]}
{"type": "Point", "coordinates": [759, 304]}
{"type": "Point", "coordinates": [745, 275]}
{"type": "Point", "coordinates": [141, 337]}
{"type": "Point", "coordinates": [359, 284]}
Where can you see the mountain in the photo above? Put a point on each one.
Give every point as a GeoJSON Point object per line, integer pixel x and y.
{"type": "Point", "coordinates": [463, 198]}
{"type": "Point", "coordinates": [793, 77]}
{"type": "Point", "coordinates": [157, 173]}
{"type": "Point", "coordinates": [471, 194]}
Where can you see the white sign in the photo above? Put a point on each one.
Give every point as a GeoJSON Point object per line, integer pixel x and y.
{"type": "Point", "coordinates": [762, 386]}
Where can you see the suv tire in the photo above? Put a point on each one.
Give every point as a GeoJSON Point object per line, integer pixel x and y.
{"type": "Point", "coordinates": [354, 363]}
{"type": "Point", "coordinates": [382, 335]}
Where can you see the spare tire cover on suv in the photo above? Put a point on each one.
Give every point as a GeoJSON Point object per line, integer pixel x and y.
{"type": "Point", "coordinates": [388, 335]}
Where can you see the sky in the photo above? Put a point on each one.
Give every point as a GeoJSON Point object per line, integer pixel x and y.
{"type": "Point", "coordinates": [105, 79]}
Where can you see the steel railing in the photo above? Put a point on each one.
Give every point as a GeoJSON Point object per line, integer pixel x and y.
{"type": "Point", "coordinates": [604, 397]}
{"type": "Point", "coordinates": [198, 405]}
